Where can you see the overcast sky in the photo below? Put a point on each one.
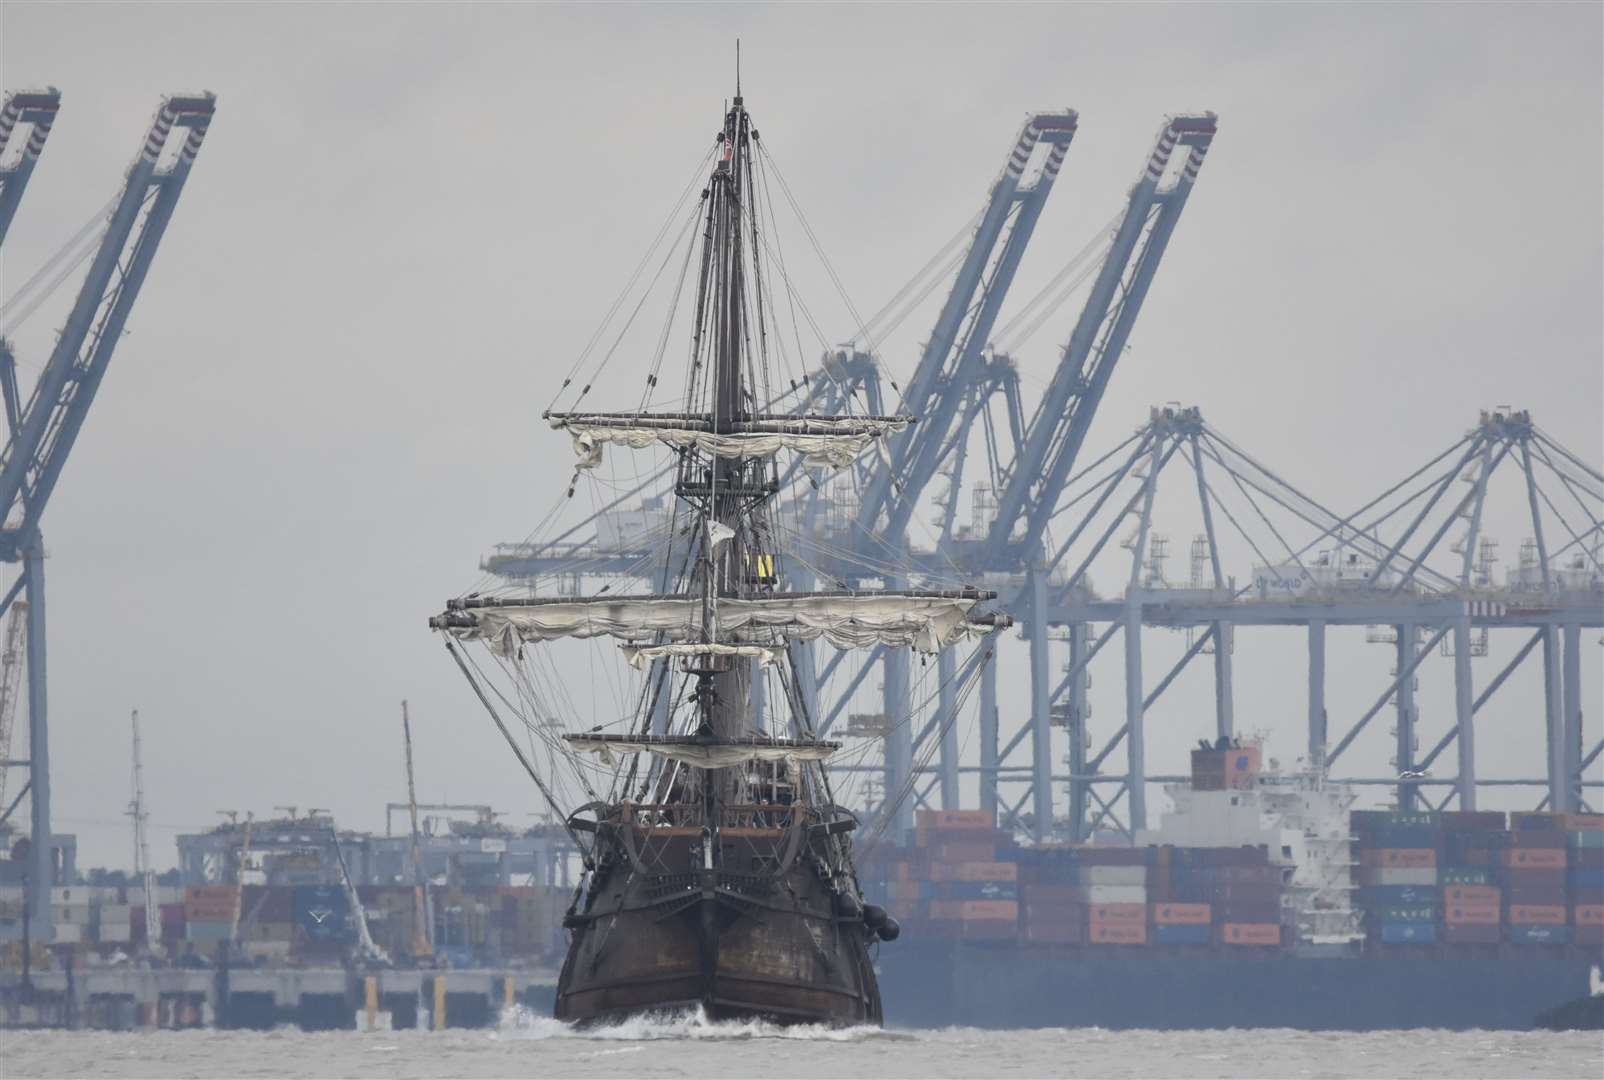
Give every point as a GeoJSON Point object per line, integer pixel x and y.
{"type": "Point", "coordinates": [408, 219]}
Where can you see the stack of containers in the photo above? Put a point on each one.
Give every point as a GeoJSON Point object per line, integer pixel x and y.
{"type": "Point", "coordinates": [71, 914]}
{"type": "Point", "coordinates": [1112, 883]}
{"type": "Point", "coordinates": [209, 912]}
{"type": "Point", "coordinates": [1535, 865]}
{"type": "Point", "coordinates": [1469, 874]}
{"type": "Point", "coordinates": [1398, 856]}
{"type": "Point", "coordinates": [1052, 910]}
{"type": "Point", "coordinates": [1233, 894]}
{"type": "Point", "coordinates": [530, 918]}
{"type": "Point", "coordinates": [115, 925]}
{"type": "Point", "coordinates": [972, 894]}
{"type": "Point", "coordinates": [1584, 877]}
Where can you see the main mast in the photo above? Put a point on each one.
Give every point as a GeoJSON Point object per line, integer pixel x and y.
{"type": "Point", "coordinates": [726, 686]}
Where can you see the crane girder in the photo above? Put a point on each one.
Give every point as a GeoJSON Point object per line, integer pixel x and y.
{"type": "Point", "coordinates": [946, 365]}
{"type": "Point", "coordinates": [1057, 431]}
{"type": "Point", "coordinates": [37, 110]}
{"type": "Point", "coordinates": [46, 428]}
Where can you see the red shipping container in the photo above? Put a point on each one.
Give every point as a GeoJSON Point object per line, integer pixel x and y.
{"type": "Point", "coordinates": [1235, 933]}
{"type": "Point", "coordinates": [1473, 821]}
{"type": "Point", "coordinates": [1471, 894]}
{"type": "Point", "coordinates": [954, 820]}
{"type": "Point", "coordinates": [1529, 914]}
{"type": "Point", "coordinates": [1471, 914]}
{"type": "Point", "coordinates": [1537, 838]}
{"type": "Point", "coordinates": [1055, 933]}
{"type": "Point", "coordinates": [1121, 913]}
{"type": "Point", "coordinates": [973, 910]}
{"type": "Point", "coordinates": [1544, 858]}
{"type": "Point", "coordinates": [1182, 914]}
{"type": "Point", "coordinates": [1033, 915]}
{"type": "Point", "coordinates": [1471, 934]}
{"type": "Point", "coordinates": [1584, 822]}
{"type": "Point", "coordinates": [964, 851]}
{"type": "Point", "coordinates": [1403, 858]}
{"type": "Point", "coordinates": [1588, 914]}
{"type": "Point", "coordinates": [1535, 894]}
{"type": "Point", "coordinates": [946, 909]}
{"type": "Point", "coordinates": [1117, 933]}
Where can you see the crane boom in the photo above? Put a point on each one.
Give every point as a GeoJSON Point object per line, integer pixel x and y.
{"type": "Point", "coordinates": [38, 448]}
{"type": "Point", "coordinates": [11, 669]}
{"type": "Point", "coordinates": [1058, 429]}
{"type": "Point", "coordinates": [37, 109]}
{"type": "Point", "coordinates": [920, 445]}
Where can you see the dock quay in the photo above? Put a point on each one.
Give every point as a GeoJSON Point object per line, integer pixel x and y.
{"type": "Point", "coordinates": [313, 999]}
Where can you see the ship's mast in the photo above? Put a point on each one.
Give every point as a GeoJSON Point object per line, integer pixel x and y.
{"type": "Point", "coordinates": [727, 706]}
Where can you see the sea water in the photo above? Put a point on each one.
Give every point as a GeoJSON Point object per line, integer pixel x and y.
{"type": "Point", "coordinates": [524, 1044]}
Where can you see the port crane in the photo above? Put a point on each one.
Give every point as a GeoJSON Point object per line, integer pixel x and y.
{"type": "Point", "coordinates": [140, 815]}
{"type": "Point", "coordinates": [41, 430]}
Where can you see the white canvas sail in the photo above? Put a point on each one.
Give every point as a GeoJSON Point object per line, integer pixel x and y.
{"type": "Point", "coordinates": [928, 622]}
{"type": "Point", "coordinates": [823, 442]}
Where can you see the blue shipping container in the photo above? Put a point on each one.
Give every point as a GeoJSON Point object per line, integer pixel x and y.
{"type": "Point", "coordinates": [1539, 934]}
{"type": "Point", "coordinates": [1402, 838]}
{"type": "Point", "coordinates": [1187, 934]}
{"type": "Point", "coordinates": [1410, 933]}
{"type": "Point", "coordinates": [1585, 877]}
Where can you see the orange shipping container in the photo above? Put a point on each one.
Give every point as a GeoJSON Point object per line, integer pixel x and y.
{"type": "Point", "coordinates": [1117, 933]}
{"type": "Point", "coordinates": [1472, 895]}
{"type": "Point", "coordinates": [1535, 858]}
{"type": "Point", "coordinates": [1119, 913]}
{"type": "Point", "coordinates": [975, 910]}
{"type": "Point", "coordinates": [1527, 914]}
{"type": "Point", "coordinates": [947, 909]}
{"type": "Point", "coordinates": [1402, 858]}
{"type": "Point", "coordinates": [1236, 933]}
{"type": "Point", "coordinates": [1584, 822]}
{"type": "Point", "coordinates": [1182, 914]}
{"type": "Point", "coordinates": [1471, 914]}
{"type": "Point", "coordinates": [1588, 914]}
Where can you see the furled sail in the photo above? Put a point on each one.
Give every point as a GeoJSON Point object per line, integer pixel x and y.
{"type": "Point", "coordinates": [927, 621]}
{"type": "Point", "coordinates": [641, 656]}
{"type": "Point", "coordinates": [704, 753]}
{"type": "Point", "coordinates": [823, 441]}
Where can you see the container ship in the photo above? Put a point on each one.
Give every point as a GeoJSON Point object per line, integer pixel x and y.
{"type": "Point", "coordinates": [1260, 901]}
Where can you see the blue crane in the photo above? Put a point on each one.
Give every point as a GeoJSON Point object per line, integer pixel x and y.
{"type": "Point", "coordinates": [41, 434]}
{"type": "Point", "coordinates": [1029, 492]}
{"type": "Point", "coordinates": [37, 109]}
{"type": "Point", "coordinates": [952, 354]}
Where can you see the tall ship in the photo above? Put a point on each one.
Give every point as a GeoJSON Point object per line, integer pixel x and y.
{"type": "Point", "coordinates": [718, 861]}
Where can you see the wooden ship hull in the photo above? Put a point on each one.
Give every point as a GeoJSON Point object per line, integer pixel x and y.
{"type": "Point", "coordinates": [761, 936]}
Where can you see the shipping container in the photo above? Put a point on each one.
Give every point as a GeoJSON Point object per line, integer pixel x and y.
{"type": "Point", "coordinates": [1255, 933]}
{"type": "Point", "coordinates": [974, 871]}
{"type": "Point", "coordinates": [1471, 933]}
{"type": "Point", "coordinates": [1466, 875]}
{"type": "Point", "coordinates": [1542, 858]}
{"type": "Point", "coordinates": [1112, 875]}
{"type": "Point", "coordinates": [1575, 823]}
{"type": "Point", "coordinates": [1399, 858]}
{"type": "Point", "coordinates": [1538, 934]}
{"type": "Point", "coordinates": [1525, 914]}
{"type": "Point", "coordinates": [1055, 933]}
{"type": "Point", "coordinates": [1119, 913]}
{"type": "Point", "coordinates": [1536, 822]}
{"type": "Point", "coordinates": [1112, 894]}
{"type": "Point", "coordinates": [1413, 933]}
{"type": "Point", "coordinates": [1182, 914]}
{"type": "Point", "coordinates": [1472, 894]}
{"type": "Point", "coordinates": [1181, 933]}
{"type": "Point", "coordinates": [1117, 933]}
{"type": "Point", "coordinates": [1414, 914]}
{"type": "Point", "coordinates": [1378, 896]}
{"type": "Point", "coordinates": [1472, 914]}
{"type": "Point", "coordinates": [1588, 915]}
{"type": "Point", "coordinates": [1392, 875]}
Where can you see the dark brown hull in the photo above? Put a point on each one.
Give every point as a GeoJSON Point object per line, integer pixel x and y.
{"type": "Point", "coordinates": [780, 947]}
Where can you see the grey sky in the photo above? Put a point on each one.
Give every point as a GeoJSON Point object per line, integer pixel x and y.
{"type": "Point", "coordinates": [407, 219]}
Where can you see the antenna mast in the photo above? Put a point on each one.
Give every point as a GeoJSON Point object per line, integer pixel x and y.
{"type": "Point", "coordinates": [142, 867]}
{"type": "Point", "coordinates": [422, 925]}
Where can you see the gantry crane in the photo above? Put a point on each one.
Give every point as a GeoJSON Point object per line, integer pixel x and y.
{"type": "Point", "coordinates": [42, 432]}
{"type": "Point", "coordinates": [11, 670]}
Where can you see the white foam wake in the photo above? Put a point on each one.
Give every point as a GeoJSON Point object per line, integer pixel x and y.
{"type": "Point", "coordinates": [519, 1022]}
